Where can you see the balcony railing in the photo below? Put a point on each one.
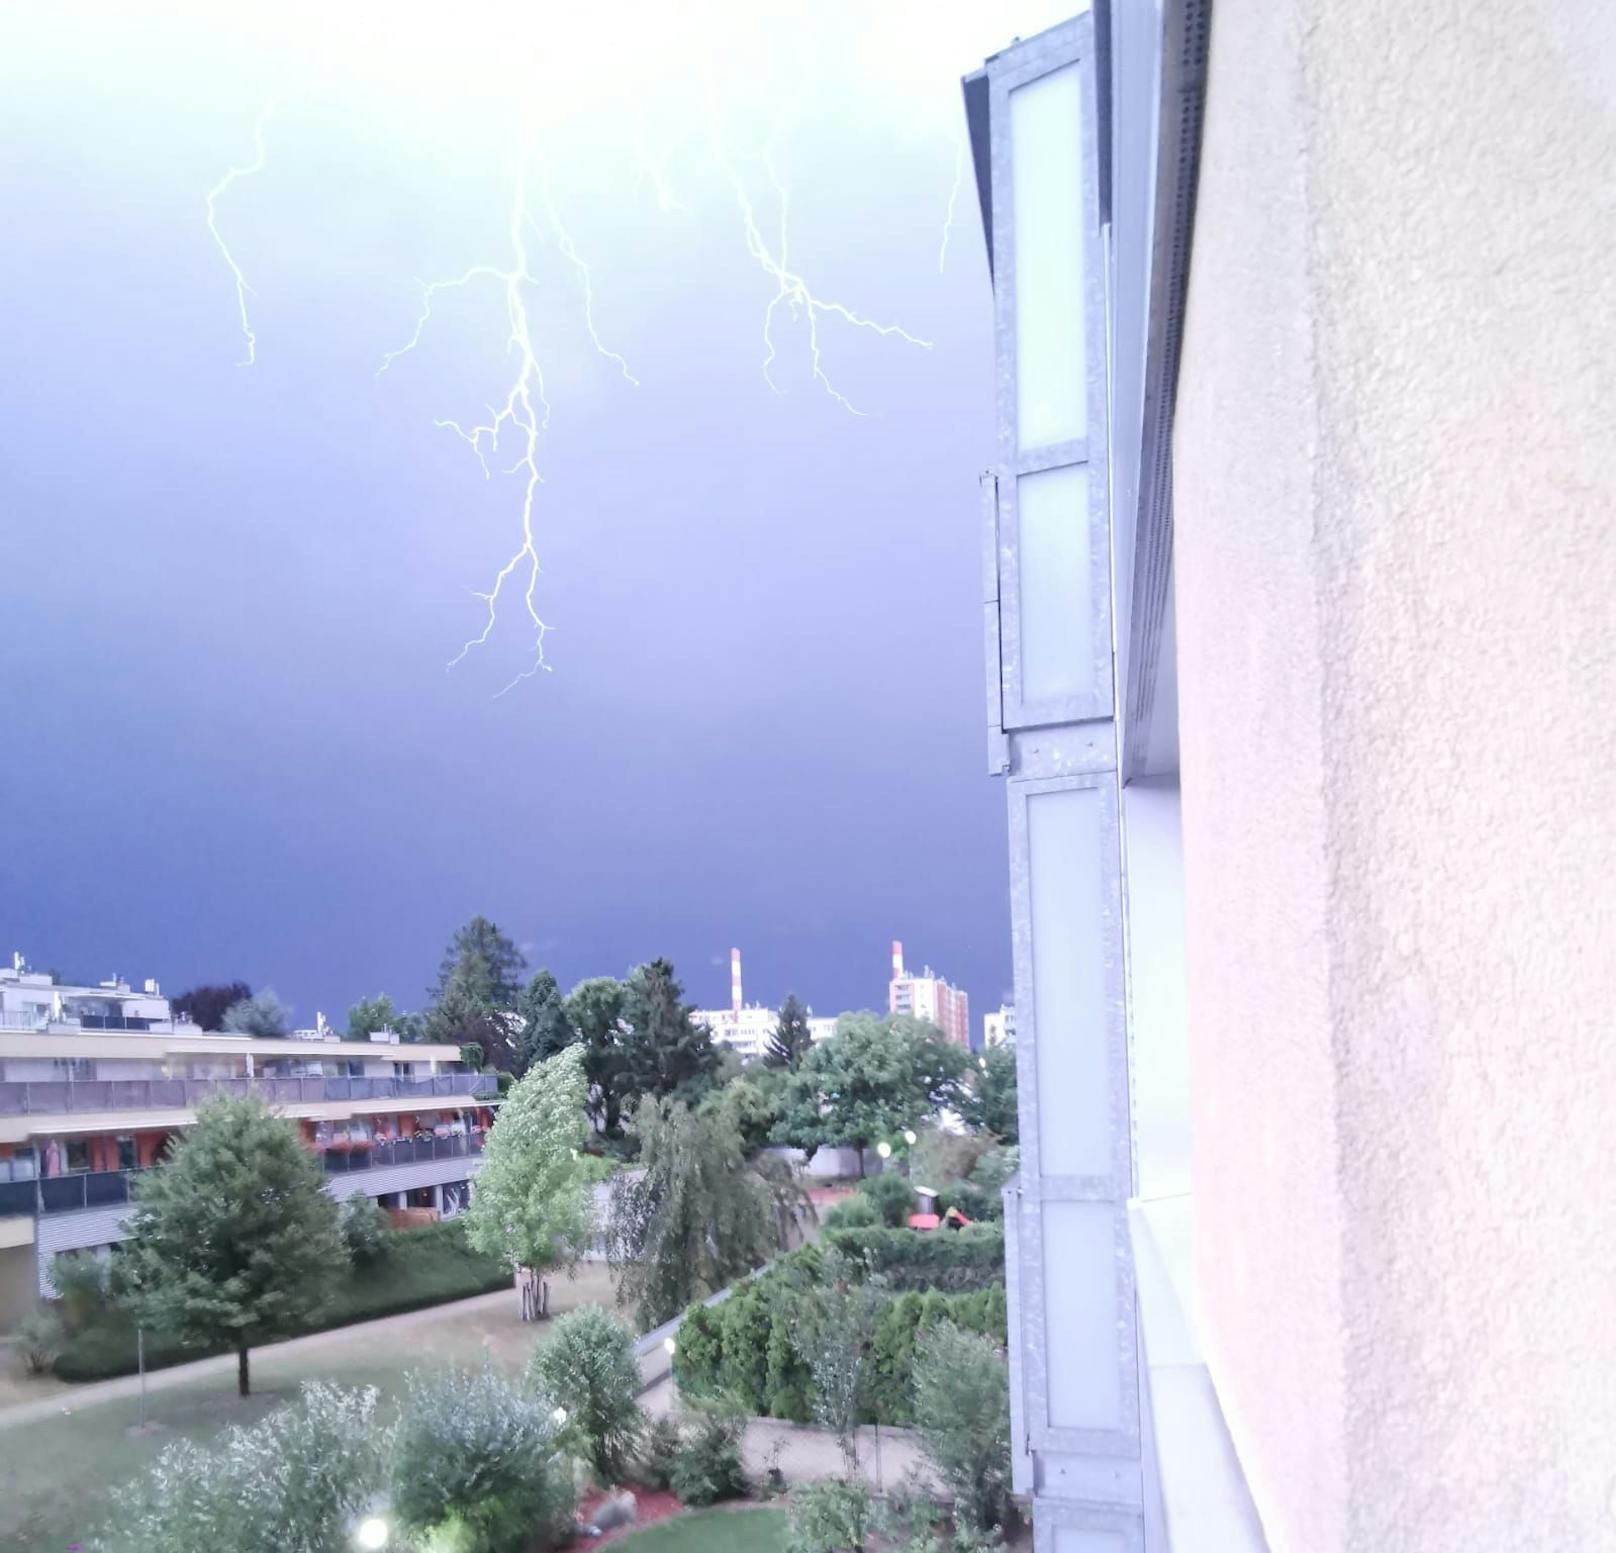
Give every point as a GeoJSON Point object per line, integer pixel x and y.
{"type": "Point", "coordinates": [18, 1019]}
{"type": "Point", "coordinates": [109, 1188]}
{"type": "Point", "coordinates": [54, 1096]}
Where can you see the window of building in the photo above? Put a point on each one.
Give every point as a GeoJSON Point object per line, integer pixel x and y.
{"type": "Point", "coordinates": [128, 1158]}
{"type": "Point", "coordinates": [76, 1152]}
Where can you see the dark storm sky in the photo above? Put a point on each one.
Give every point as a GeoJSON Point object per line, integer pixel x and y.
{"type": "Point", "coordinates": [232, 748]}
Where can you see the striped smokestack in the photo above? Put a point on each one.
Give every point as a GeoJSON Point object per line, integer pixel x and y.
{"type": "Point", "coordinates": [735, 980]}
{"type": "Point", "coordinates": [897, 959]}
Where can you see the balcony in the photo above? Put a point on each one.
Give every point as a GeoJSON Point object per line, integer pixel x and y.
{"type": "Point", "coordinates": [59, 1096]}
{"type": "Point", "coordinates": [109, 1188]}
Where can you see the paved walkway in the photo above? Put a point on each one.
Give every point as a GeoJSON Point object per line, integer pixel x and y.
{"type": "Point", "coordinates": [803, 1453]}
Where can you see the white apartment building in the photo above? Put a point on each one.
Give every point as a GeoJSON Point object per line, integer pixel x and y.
{"type": "Point", "coordinates": [747, 1028]}
{"type": "Point", "coordinates": [95, 1082]}
{"type": "Point", "coordinates": [927, 996]}
{"type": "Point", "coordinates": [999, 1027]}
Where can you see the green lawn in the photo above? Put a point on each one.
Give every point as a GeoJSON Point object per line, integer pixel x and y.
{"type": "Point", "coordinates": [57, 1473]}
{"type": "Point", "coordinates": [713, 1531]}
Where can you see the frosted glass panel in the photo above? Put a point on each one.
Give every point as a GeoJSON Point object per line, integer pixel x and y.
{"type": "Point", "coordinates": [1046, 193]}
{"type": "Point", "coordinates": [1066, 847]}
{"type": "Point", "coordinates": [1052, 517]}
{"type": "Point", "coordinates": [1073, 1539]}
{"type": "Point", "coordinates": [1080, 1315]}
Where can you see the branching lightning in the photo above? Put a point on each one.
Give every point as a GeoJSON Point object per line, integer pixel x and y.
{"type": "Point", "coordinates": [791, 289]}
{"type": "Point", "coordinates": [243, 290]}
{"type": "Point", "coordinates": [953, 200]}
{"type": "Point", "coordinates": [524, 414]}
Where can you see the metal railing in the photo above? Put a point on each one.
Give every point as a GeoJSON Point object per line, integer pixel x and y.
{"type": "Point", "coordinates": [16, 1019]}
{"type": "Point", "coordinates": [54, 1096]}
{"type": "Point", "coordinates": [110, 1188]}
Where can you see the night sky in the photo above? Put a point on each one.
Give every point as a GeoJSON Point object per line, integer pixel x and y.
{"type": "Point", "coordinates": [232, 748]}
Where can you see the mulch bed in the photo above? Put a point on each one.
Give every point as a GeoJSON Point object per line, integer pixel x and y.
{"type": "Point", "coordinates": [654, 1505]}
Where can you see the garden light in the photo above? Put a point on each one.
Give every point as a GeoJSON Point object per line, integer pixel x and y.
{"type": "Point", "coordinates": [909, 1136]}
{"type": "Point", "coordinates": [884, 1149]}
{"type": "Point", "coordinates": [371, 1533]}
{"type": "Point", "coordinates": [559, 1418]}
{"type": "Point", "coordinates": [670, 1345]}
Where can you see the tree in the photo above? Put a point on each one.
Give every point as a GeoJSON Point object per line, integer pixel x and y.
{"type": "Point", "coordinates": [594, 1013]}
{"type": "Point", "coordinates": [545, 1029]}
{"type": "Point", "coordinates": [369, 1015]}
{"type": "Point", "coordinates": [474, 1001]}
{"type": "Point", "coordinates": [533, 1204]}
{"type": "Point", "coordinates": [260, 1014]}
{"type": "Point", "coordinates": [589, 1367]}
{"type": "Point", "coordinates": [962, 1416]}
{"type": "Point", "coordinates": [699, 1214]}
{"type": "Point", "coordinates": [790, 1041]}
{"type": "Point", "coordinates": [872, 1079]}
{"type": "Point", "coordinates": [234, 1239]}
{"type": "Point", "coordinates": [840, 1306]}
{"type": "Point", "coordinates": [987, 1098]}
{"type": "Point", "coordinates": [665, 1052]}
{"type": "Point", "coordinates": [206, 1004]}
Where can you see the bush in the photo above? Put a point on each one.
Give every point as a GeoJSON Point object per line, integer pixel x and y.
{"type": "Point", "coordinates": [951, 1260]}
{"type": "Point", "coordinates": [940, 1158]}
{"type": "Point", "coordinates": [994, 1169]}
{"type": "Point", "coordinates": [891, 1196]}
{"type": "Point", "coordinates": [659, 1449]}
{"type": "Point", "coordinates": [476, 1466]}
{"type": "Point", "coordinates": [976, 1202]}
{"type": "Point", "coordinates": [80, 1280]}
{"type": "Point", "coordinates": [589, 1367]}
{"type": "Point", "coordinates": [962, 1416]}
{"type": "Point", "coordinates": [856, 1212]}
{"type": "Point", "coordinates": [40, 1336]}
{"type": "Point", "coordinates": [832, 1516]}
{"type": "Point", "coordinates": [291, 1483]}
{"type": "Point", "coordinates": [421, 1267]}
{"type": "Point", "coordinates": [365, 1228]}
{"type": "Point", "coordinates": [707, 1465]}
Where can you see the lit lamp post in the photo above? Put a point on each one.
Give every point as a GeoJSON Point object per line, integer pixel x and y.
{"type": "Point", "coordinates": [371, 1533]}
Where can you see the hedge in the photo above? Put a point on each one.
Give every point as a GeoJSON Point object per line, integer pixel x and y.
{"type": "Point", "coordinates": [954, 1261]}
{"type": "Point", "coordinates": [429, 1265]}
{"type": "Point", "coordinates": [743, 1348]}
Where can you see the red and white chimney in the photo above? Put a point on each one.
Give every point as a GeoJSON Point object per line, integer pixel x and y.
{"type": "Point", "coordinates": [897, 959]}
{"type": "Point", "coordinates": [735, 980]}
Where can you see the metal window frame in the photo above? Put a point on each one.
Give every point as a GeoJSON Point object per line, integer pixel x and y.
{"type": "Point", "coordinates": [1071, 43]}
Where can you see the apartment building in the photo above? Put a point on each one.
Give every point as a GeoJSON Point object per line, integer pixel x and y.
{"type": "Point", "coordinates": [747, 1028]}
{"type": "Point", "coordinates": [999, 1027]}
{"type": "Point", "coordinates": [927, 996]}
{"type": "Point", "coordinates": [96, 1081]}
{"type": "Point", "coordinates": [1302, 670]}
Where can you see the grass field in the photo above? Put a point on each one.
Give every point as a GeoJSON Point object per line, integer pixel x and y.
{"type": "Point", "coordinates": [57, 1473]}
{"type": "Point", "coordinates": [714, 1531]}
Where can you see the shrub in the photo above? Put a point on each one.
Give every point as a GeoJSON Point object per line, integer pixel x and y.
{"type": "Point", "coordinates": [951, 1260]}
{"type": "Point", "coordinates": [589, 1367]}
{"type": "Point", "coordinates": [856, 1212]}
{"type": "Point", "coordinates": [40, 1336]}
{"type": "Point", "coordinates": [994, 1169]}
{"type": "Point", "coordinates": [476, 1466]}
{"type": "Point", "coordinates": [940, 1157]}
{"type": "Point", "coordinates": [976, 1202]}
{"type": "Point", "coordinates": [707, 1465]}
{"type": "Point", "coordinates": [831, 1516]}
{"type": "Point", "coordinates": [788, 1388]}
{"type": "Point", "coordinates": [365, 1228]}
{"type": "Point", "coordinates": [891, 1196]}
{"type": "Point", "coordinates": [80, 1280]}
{"type": "Point", "coordinates": [291, 1483]}
{"type": "Point", "coordinates": [659, 1449]}
{"type": "Point", "coordinates": [962, 1416]}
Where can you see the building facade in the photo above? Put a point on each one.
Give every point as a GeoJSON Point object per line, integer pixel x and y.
{"type": "Point", "coordinates": [999, 1027]}
{"type": "Point", "coordinates": [1301, 649]}
{"type": "Point", "coordinates": [96, 1082]}
{"type": "Point", "coordinates": [927, 996]}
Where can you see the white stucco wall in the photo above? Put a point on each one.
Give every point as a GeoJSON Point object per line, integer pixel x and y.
{"type": "Point", "coordinates": [1395, 486]}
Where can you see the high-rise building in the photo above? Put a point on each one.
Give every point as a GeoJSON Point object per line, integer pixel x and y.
{"type": "Point", "coordinates": [927, 996]}
{"type": "Point", "coordinates": [999, 1026]}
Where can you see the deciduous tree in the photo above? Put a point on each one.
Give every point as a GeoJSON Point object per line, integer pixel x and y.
{"type": "Point", "coordinates": [986, 1098]}
{"type": "Point", "coordinates": [261, 1014]}
{"type": "Point", "coordinates": [594, 1013]}
{"type": "Point", "coordinates": [369, 1015]}
{"type": "Point", "coordinates": [234, 1239]}
{"type": "Point", "coordinates": [207, 1004]}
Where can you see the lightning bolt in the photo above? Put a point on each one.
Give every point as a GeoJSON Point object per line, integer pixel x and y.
{"type": "Point", "coordinates": [524, 413]}
{"type": "Point", "coordinates": [791, 289]}
{"type": "Point", "coordinates": [953, 200]}
{"type": "Point", "coordinates": [243, 290]}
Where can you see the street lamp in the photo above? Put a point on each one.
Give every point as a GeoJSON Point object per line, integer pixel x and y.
{"type": "Point", "coordinates": [909, 1136]}
{"type": "Point", "coordinates": [371, 1533]}
{"type": "Point", "coordinates": [559, 1418]}
{"type": "Point", "coordinates": [884, 1149]}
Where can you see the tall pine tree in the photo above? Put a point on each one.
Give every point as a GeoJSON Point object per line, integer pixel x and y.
{"type": "Point", "coordinates": [665, 1051]}
{"type": "Point", "coordinates": [790, 1041]}
{"type": "Point", "coordinates": [545, 1027]}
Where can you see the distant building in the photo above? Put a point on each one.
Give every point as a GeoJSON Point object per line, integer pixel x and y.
{"type": "Point", "coordinates": [999, 1027]}
{"type": "Point", "coordinates": [96, 1081]}
{"type": "Point", "coordinates": [821, 1029]}
{"type": "Point", "coordinates": [746, 1031]}
{"type": "Point", "coordinates": [929, 997]}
